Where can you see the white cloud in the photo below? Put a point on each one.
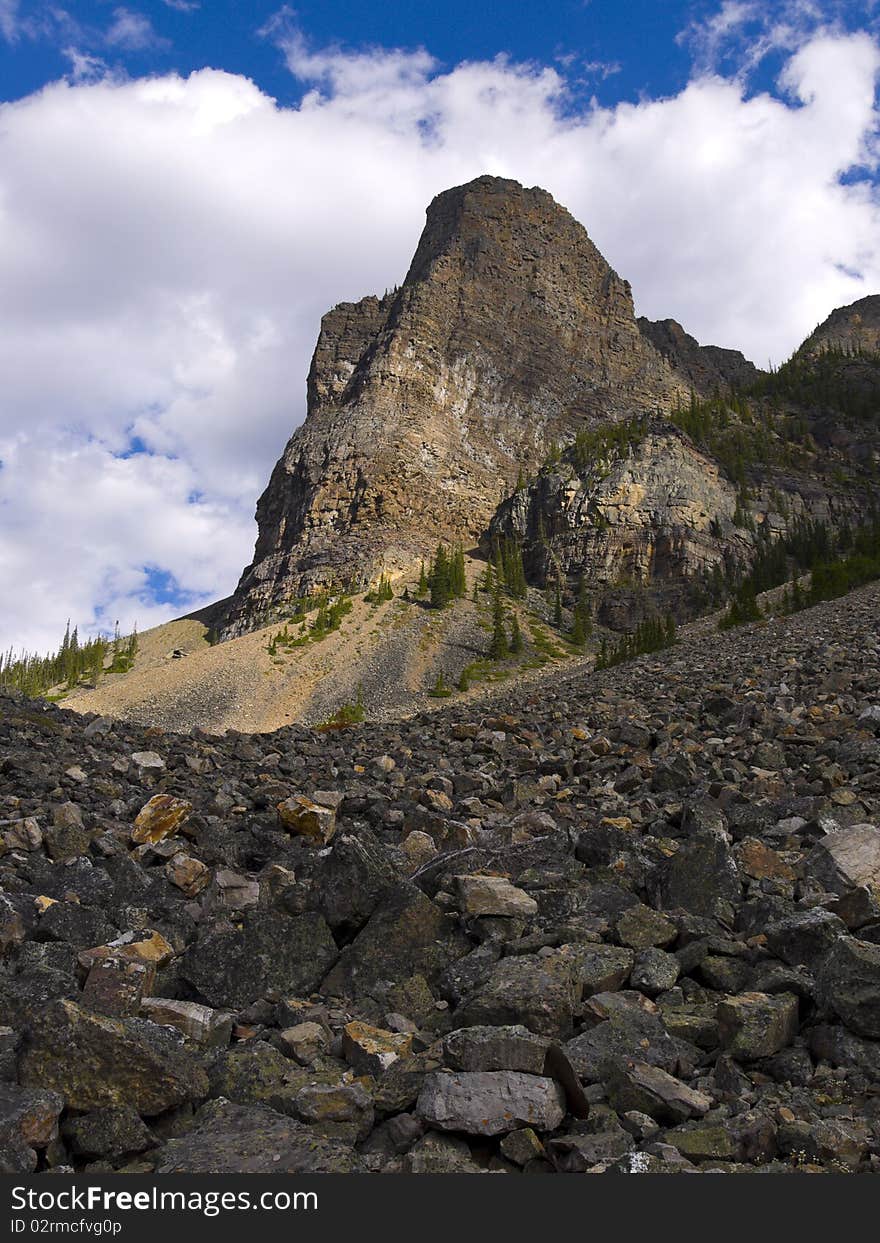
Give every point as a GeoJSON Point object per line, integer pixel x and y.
{"type": "Point", "coordinates": [9, 20]}
{"type": "Point", "coordinates": [168, 246]}
{"type": "Point", "coordinates": [132, 32]}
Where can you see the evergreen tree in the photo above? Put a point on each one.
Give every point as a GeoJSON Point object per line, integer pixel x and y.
{"type": "Point", "coordinates": [440, 579]}
{"type": "Point", "coordinates": [457, 577]}
{"type": "Point", "coordinates": [422, 589]}
{"type": "Point", "coordinates": [498, 648]}
{"type": "Point", "coordinates": [516, 639]}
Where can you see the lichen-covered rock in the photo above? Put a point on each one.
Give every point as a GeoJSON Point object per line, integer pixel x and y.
{"type": "Point", "coordinates": [94, 1061]}
{"type": "Point", "coordinates": [540, 993]}
{"type": "Point", "coordinates": [652, 1091]}
{"type": "Point", "coordinates": [496, 1048]}
{"type": "Point", "coordinates": [406, 935]}
{"type": "Point", "coordinates": [701, 875]}
{"type": "Point", "coordinates": [109, 1133]}
{"type": "Point", "coordinates": [755, 1025]}
{"type": "Point", "coordinates": [849, 982]}
{"type": "Point", "coordinates": [371, 1050]}
{"type": "Point", "coordinates": [233, 965]}
{"type": "Point", "coordinates": [29, 1115]}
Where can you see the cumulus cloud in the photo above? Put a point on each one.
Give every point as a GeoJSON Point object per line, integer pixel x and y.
{"type": "Point", "coordinates": [168, 245]}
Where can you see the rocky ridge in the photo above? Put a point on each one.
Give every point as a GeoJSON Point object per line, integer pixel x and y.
{"type": "Point", "coordinates": [625, 921]}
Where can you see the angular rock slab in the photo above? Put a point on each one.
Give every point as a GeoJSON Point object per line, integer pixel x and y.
{"type": "Point", "coordinates": [652, 1091]}
{"type": "Point", "coordinates": [496, 1048]}
{"type": "Point", "coordinates": [95, 1061]}
{"type": "Point", "coordinates": [538, 992]}
{"type": "Point", "coordinates": [406, 935]}
{"type": "Point", "coordinates": [159, 818]}
{"type": "Point", "coordinates": [849, 982]}
{"type": "Point", "coordinates": [490, 1102]}
{"type": "Point", "coordinates": [302, 816]}
{"type": "Point", "coordinates": [253, 1139]}
{"type": "Point", "coordinates": [493, 895]}
{"type": "Point", "coordinates": [753, 1025]}
{"type": "Point", "coordinates": [847, 859]}
{"type": "Point", "coordinates": [233, 966]}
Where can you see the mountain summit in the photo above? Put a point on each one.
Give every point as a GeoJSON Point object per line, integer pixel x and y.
{"type": "Point", "coordinates": [509, 334]}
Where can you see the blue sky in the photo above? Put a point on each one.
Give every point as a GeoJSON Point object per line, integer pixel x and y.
{"type": "Point", "coordinates": [617, 51]}
{"type": "Point", "coordinates": [186, 187]}
{"type": "Point", "coordinates": [637, 39]}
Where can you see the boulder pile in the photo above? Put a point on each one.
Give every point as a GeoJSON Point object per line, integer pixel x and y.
{"type": "Point", "coordinates": [616, 922]}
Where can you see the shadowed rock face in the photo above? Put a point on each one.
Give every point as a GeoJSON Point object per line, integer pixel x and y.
{"type": "Point", "coordinates": [705, 367]}
{"type": "Point", "coordinates": [508, 334]}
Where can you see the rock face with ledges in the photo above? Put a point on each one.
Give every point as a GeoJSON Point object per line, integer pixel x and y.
{"type": "Point", "coordinates": [509, 332]}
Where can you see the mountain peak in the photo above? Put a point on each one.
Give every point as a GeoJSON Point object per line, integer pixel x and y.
{"type": "Point", "coordinates": [509, 334]}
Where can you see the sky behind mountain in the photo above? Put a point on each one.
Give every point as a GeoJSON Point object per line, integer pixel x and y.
{"type": "Point", "coordinates": [185, 188]}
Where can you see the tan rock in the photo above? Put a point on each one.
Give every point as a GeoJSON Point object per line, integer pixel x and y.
{"type": "Point", "coordinates": [493, 895]}
{"type": "Point", "coordinates": [159, 818]}
{"type": "Point", "coordinates": [419, 849]}
{"type": "Point", "coordinates": [306, 818]}
{"type": "Point", "coordinates": [187, 874]}
{"type": "Point", "coordinates": [371, 1050]}
{"type": "Point", "coordinates": [304, 1042]}
{"type": "Point", "coordinates": [201, 1024]}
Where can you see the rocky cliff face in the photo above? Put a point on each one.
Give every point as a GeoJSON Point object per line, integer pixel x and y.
{"type": "Point", "coordinates": [707, 367]}
{"type": "Point", "coordinates": [509, 333]}
{"type": "Point", "coordinates": [653, 511]}
{"type": "Point", "coordinates": [853, 327]}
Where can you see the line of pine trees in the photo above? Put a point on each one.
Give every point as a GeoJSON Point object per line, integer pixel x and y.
{"type": "Point", "coordinates": [651, 635]}
{"type": "Point", "coordinates": [72, 662]}
{"type": "Point", "coordinates": [444, 580]}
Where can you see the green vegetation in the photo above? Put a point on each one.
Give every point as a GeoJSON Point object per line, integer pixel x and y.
{"type": "Point", "coordinates": [606, 441]}
{"type": "Point", "coordinates": [738, 433]}
{"type": "Point", "coordinates": [826, 379]}
{"type": "Point", "coordinates": [347, 714]}
{"type": "Point", "coordinates": [445, 580]}
{"type": "Point", "coordinates": [72, 663]}
{"type": "Point", "coordinates": [507, 564]}
{"type": "Point", "coordinates": [328, 617]}
{"type": "Point", "coordinates": [836, 576]}
{"type": "Point", "coordinates": [836, 560]}
{"type": "Point", "coordinates": [649, 636]}
{"type": "Point", "coordinates": [381, 592]}
{"type": "Point", "coordinates": [499, 647]}
{"type": "Point", "coordinates": [743, 607]}
{"type": "Point", "coordinates": [440, 690]}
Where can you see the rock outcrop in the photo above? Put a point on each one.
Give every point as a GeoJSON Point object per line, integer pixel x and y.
{"type": "Point", "coordinates": [509, 333]}
{"type": "Point", "coordinates": [851, 328]}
